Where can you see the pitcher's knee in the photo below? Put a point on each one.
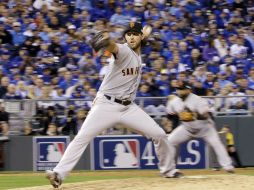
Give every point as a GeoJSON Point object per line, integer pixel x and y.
{"type": "Point", "coordinates": [173, 141]}
{"type": "Point", "coordinates": [160, 134]}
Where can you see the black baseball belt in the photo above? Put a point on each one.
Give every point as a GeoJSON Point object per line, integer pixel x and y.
{"type": "Point", "coordinates": [119, 101]}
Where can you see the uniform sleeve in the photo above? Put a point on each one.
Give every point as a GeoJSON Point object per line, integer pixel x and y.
{"type": "Point", "coordinates": [123, 52]}
{"type": "Point", "coordinates": [169, 108]}
{"type": "Point", "coordinates": [203, 106]}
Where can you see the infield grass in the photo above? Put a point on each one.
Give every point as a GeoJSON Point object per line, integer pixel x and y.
{"type": "Point", "coordinates": [10, 180]}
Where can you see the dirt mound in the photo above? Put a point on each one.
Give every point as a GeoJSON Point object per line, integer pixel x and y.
{"type": "Point", "coordinates": [197, 182]}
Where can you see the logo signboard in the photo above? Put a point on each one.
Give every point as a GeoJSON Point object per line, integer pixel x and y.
{"type": "Point", "coordinates": [136, 152]}
{"type": "Point", "coordinates": [47, 151]}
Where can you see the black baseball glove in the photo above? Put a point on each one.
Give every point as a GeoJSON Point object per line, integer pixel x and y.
{"type": "Point", "coordinates": [100, 40]}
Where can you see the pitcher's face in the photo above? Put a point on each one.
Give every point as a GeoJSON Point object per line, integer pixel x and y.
{"type": "Point", "coordinates": [133, 39]}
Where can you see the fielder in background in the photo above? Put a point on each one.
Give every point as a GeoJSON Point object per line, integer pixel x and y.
{"type": "Point", "coordinates": [196, 122]}
{"type": "Point", "coordinates": [114, 103]}
{"type": "Point", "coordinates": [230, 143]}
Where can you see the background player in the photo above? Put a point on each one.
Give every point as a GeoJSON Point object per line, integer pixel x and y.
{"type": "Point", "coordinates": [196, 122]}
{"type": "Point", "coordinates": [114, 104]}
{"type": "Point", "coordinates": [230, 143]}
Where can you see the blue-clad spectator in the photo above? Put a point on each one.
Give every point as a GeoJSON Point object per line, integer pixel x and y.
{"type": "Point", "coordinates": [196, 59]}
{"type": "Point", "coordinates": [5, 62]}
{"type": "Point", "coordinates": [78, 93]}
{"type": "Point", "coordinates": [17, 34]}
{"type": "Point", "coordinates": [184, 52]}
{"type": "Point", "coordinates": [249, 38]}
{"type": "Point", "coordinates": [251, 79]}
{"type": "Point", "coordinates": [198, 18]}
{"type": "Point", "coordinates": [139, 12]}
{"type": "Point", "coordinates": [209, 82]}
{"type": "Point", "coordinates": [46, 75]}
{"type": "Point", "coordinates": [76, 19]}
{"type": "Point", "coordinates": [118, 18]}
{"type": "Point", "coordinates": [144, 92]}
{"type": "Point", "coordinates": [209, 51]}
{"type": "Point", "coordinates": [230, 30]}
{"type": "Point", "coordinates": [175, 9]}
{"type": "Point", "coordinates": [55, 47]}
{"type": "Point", "coordinates": [99, 11]}
{"type": "Point", "coordinates": [191, 5]}
{"type": "Point", "coordinates": [64, 15]}
{"type": "Point", "coordinates": [44, 52]}
{"type": "Point", "coordinates": [223, 18]}
{"type": "Point", "coordinates": [222, 79]}
{"type": "Point", "coordinates": [44, 35]}
{"type": "Point", "coordinates": [128, 9]}
{"type": "Point", "coordinates": [173, 34]}
{"type": "Point", "coordinates": [83, 4]}
{"type": "Point", "coordinates": [190, 40]}
{"type": "Point", "coordinates": [68, 81]}
{"type": "Point", "coordinates": [250, 64]}
{"type": "Point", "coordinates": [12, 93]}
{"type": "Point", "coordinates": [163, 83]}
{"type": "Point", "coordinates": [69, 57]}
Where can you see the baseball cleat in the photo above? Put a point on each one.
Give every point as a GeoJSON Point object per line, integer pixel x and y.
{"type": "Point", "coordinates": [175, 175]}
{"type": "Point", "coordinates": [216, 169]}
{"type": "Point", "coordinates": [231, 171]}
{"type": "Point", "coordinates": [53, 178]}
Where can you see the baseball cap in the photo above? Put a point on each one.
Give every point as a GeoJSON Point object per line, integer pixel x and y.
{"type": "Point", "coordinates": [234, 86]}
{"type": "Point", "coordinates": [79, 89]}
{"type": "Point", "coordinates": [5, 52]}
{"type": "Point", "coordinates": [222, 73]}
{"type": "Point", "coordinates": [138, 4]}
{"type": "Point", "coordinates": [16, 24]}
{"type": "Point", "coordinates": [15, 65]}
{"type": "Point", "coordinates": [173, 23]}
{"type": "Point", "coordinates": [183, 85]}
{"type": "Point", "coordinates": [71, 27]}
{"type": "Point", "coordinates": [134, 27]}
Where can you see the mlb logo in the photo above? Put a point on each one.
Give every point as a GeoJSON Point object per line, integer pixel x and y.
{"type": "Point", "coordinates": [119, 153]}
{"type": "Point", "coordinates": [50, 151]}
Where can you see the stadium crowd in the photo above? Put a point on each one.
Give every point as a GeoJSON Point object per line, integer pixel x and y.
{"type": "Point", "coordinates": [45, 52]}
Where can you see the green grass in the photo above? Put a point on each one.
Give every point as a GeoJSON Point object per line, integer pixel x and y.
{"type": "Point", "coordinates": [11, 181]}
{"type": "Point", "coordinates": [8, 182]}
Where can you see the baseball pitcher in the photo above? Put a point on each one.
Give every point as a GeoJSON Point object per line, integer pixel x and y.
{"type": "Point", "coordinates": [114, 104]}
{"type": "Point", "coordinates": [196, 122]}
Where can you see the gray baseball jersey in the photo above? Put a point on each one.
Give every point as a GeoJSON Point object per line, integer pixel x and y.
{"type": "Point", "coordinates": [193, 103]}
{"type": "Point", "coordinates": [198, 128]}
{"type": "Point", "coordinates": [120, 82]}
{"type": "Point", "coordinates": [123, 75]}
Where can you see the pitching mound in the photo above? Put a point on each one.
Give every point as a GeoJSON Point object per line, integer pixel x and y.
{"type": "Point", "coordinates": [198, 182]}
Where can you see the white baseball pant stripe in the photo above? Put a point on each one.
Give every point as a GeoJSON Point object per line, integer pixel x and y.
{"type": "Point", "coordinates": [209, 134]}
{"type": "Point", "coordinates": [105, 114]}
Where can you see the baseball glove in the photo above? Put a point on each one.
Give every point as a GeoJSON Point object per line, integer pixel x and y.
{"type": "Point", "coordinates": [186, 116]}
{"type": "Point", "coordinates": [100, 40]}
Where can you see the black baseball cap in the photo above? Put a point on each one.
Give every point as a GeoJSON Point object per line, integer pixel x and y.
{"type": "Point", "coordinates": [134, 27]}
{"type": "Point", "coordinates": [183, 86]}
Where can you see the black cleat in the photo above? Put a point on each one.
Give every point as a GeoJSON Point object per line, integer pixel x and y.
{"type": "Point", "coordinates": [53, 178]}
{"type": "Point", "coordinates": [230, 171]}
